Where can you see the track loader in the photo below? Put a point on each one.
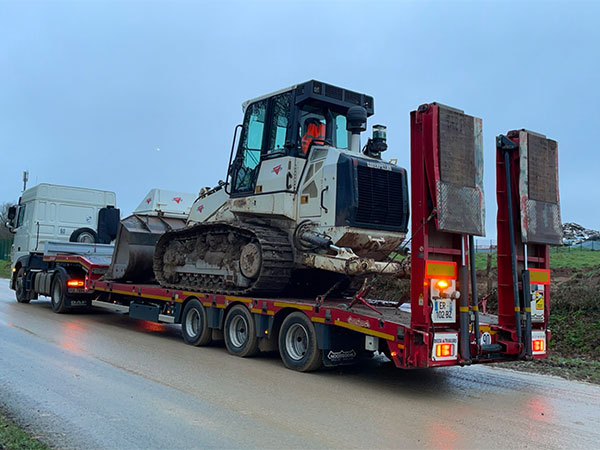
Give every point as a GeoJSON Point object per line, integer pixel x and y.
{"type": "Point", "coordinates": [304, 204]}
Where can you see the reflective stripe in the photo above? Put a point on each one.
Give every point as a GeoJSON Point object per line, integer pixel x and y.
{"type": "Point", "coordinates": [389, 337]}
{"type": "Point", "coordinates": [292, 305]}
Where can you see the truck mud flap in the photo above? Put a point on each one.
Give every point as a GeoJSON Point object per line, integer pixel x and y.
{"type": "Point", "coordinates": [340, 347]}
{"type": "Point", "coordinates": [134, 247]}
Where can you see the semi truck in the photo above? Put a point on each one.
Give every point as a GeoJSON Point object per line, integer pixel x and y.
{"type": "Point", "coordinates": [285, 253]}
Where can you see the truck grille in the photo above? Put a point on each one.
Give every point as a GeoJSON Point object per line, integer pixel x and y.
{"type": "Point", "coordinates": [381, 197]}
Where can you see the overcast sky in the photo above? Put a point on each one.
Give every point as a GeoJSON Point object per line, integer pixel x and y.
{"type": "Point", "coordinates": [128, 96]}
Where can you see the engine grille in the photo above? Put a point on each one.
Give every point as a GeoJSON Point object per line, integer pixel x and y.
{"type": "Point", "coordinates": [381, 197]}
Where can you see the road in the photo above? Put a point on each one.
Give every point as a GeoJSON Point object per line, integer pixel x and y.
{"type": "Point", "coordinates": [103, 380]}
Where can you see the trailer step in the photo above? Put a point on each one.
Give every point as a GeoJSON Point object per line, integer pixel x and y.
{"type": "Point", "coordinates": [110, 306]}
{"type": "Point", "coordinates": [126, 309]}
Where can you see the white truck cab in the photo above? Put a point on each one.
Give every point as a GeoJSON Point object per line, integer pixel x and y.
{"type": "Point", "coordinates": [48, 212]}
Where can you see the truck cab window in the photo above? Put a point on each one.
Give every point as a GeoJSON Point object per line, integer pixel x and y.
{"type": "Point", "coordinates": [21, 216]}
{"type": "Point", "coordinates": [245, 165]}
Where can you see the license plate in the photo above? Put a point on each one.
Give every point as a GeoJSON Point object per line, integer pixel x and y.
{"type": "Point", "coordinates": [444, 311]}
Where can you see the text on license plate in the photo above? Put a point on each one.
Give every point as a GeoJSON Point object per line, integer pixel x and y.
{"type": "Point", "coordinates": [444, 310]}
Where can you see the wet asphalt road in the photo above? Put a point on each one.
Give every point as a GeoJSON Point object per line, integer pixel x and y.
{"type": "Point", "coordinates": [102, 380]}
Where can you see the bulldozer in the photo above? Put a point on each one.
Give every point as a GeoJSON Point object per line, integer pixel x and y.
{"type": "Point", "coordinates": [304, 205]}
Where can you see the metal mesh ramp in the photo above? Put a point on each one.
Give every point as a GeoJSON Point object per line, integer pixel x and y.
{"type": "Point", "coordinates": [460, 184]}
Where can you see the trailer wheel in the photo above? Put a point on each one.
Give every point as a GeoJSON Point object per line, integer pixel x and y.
{"type": "Point", "coordinates": [58, 295]}
{"type": "Point", "coordinates": [240, 332]}
{"type": "Point", "coordinates": [20, 292]}
{"type": "Point", "coordinates": [298, 343]}
{"type": "Point", "coordinates": [86, 235]}
{"type": "Point", "coordinates": [194, 324]}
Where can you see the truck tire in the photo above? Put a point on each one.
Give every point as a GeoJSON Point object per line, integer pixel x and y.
{"type": "Point", "coordinates": [194, 324]}
{"type": "Point", "coordinates": [84, 235]}
{"type": "Point", "coordinates": [298, 345]}
{"type": "Point", "coordinates": [20, 292]}
{"type": "Point", "coordinates": [58, 294]}
{"type": "Point", "coordinates": [240, 332]}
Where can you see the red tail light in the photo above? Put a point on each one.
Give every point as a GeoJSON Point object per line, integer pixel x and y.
{"type": "Point", "coordinates": [442, 350]}
{"type": "Point", "coordinates": [75, 283]}
{"type": "Point", "coordinates": [538, 345]}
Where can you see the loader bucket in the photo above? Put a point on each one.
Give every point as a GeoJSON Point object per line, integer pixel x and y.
{"type": "Point", "coordinates": [134, 247]}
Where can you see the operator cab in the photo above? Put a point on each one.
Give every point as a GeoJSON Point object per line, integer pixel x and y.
{"type": "Point", "coordinates": [288, 123]}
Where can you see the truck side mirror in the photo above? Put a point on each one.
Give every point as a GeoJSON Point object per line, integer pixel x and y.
{"type": "Point", "coordinates": [12, 213]}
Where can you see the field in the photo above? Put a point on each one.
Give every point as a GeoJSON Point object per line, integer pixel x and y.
{"type": "Point", "coordinates": [559, 257]}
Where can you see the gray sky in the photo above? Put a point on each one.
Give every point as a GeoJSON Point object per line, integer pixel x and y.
{"type": "Point", "coordinates": [90, 90]}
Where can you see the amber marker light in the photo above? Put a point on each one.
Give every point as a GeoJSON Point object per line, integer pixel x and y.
{"type": "Point", "coordinates": [442, 284]}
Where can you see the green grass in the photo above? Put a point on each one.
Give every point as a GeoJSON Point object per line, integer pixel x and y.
{"type": "Point", "coordinates": [575, 258]}
{"type": "Point", "coordinates": [12, 437]}
{"type": "Point", "coordinates": [4, 269]}
{"type": "Point", "coordinates": [559, 257]}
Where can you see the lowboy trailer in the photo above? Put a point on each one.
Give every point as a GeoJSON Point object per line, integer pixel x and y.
{"type": "Point", "coordinates": [440, 325]}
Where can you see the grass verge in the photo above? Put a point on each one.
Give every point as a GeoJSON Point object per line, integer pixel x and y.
{"type": "Point", "coordinates": [4, 269]}
{"type": "Point", "coordinates": [12, 437]}
{"type": "Point", "coordinates": [580, 369]}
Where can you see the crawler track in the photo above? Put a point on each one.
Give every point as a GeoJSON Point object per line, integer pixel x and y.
{"type": "Point", "coordinates": [221, 244]}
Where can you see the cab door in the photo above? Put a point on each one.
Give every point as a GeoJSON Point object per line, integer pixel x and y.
{"type": "Point", "coordinates": [267, 169]}
{"type": "Point", "coordinates": [245, 167]}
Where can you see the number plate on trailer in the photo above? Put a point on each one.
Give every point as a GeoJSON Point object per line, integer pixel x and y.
{"type": "Point", "coordinates": [444, 311]}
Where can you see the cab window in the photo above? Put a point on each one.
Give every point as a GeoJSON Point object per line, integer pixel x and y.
{"type": "Point", "coordinates": [341, 133]}
{"type": "Point", "coordinates": [21, 216]}
{"type": "Point", "coordinates": [248, 156]}
{"type": "Point", "coordinates": [280, 121]}
{"type": "Point", "coordinates": [312, 128]}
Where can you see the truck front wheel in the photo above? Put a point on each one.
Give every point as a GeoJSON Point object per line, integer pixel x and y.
{"type": "Point", "coordinates": [194, 325]}
{"type": "Point", "coordinates": [20, 292]}
{"type": "Point", "coordinates": [240, 332]}
{"type": "Point", "coordinates": [298, 343]}
{"type": "Point", "coordinates": [57, 298]}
